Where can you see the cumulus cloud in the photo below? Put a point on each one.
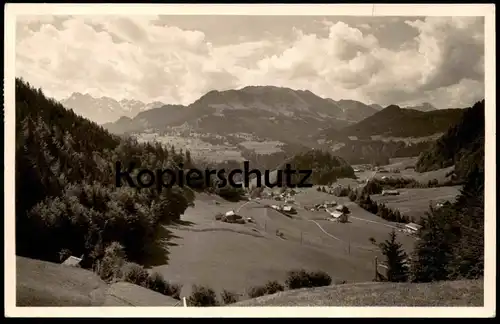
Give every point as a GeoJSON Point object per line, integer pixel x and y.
{"type": "Point", "coordinates": [138, 57]}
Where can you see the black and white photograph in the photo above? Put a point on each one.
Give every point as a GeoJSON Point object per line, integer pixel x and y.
{"type": "Point", "coordinates": [198, 160]}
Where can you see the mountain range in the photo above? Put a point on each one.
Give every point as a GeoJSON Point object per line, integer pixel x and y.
{"type": "Point", "coordinates": [274, 100]}
{"type": "Point", "coordinates": [106, 109]}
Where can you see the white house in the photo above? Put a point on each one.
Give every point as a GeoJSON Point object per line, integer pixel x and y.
{"type": "Point", "coordinates": [412, 228]}
{"type": "Point", "coordinates": [230, 213]}
{"type": "Point", "coordinates": [342, 208]}
{"type": "Point", "coordinates": [338, 216]}
{"type": "Point", "coordinates": [390, 192]}
{"type": "Point", "coordinates": [72, 261]}
{"type": "Point", "coordinates": [289, 209]}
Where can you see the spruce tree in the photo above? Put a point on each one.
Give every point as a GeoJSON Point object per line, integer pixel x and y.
{"type": "Point", "coordinates": [397, 270]}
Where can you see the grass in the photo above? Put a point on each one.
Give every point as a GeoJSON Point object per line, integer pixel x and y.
{"type": "Point", "coordinates": [40, 283]}
{"type": "Point", "coordinates": [449, 293]}
{"type": "Point", "coordinates": [127, 294]}
{"type": "Point", "coordinates": [415, 202]}
{"type": "Point", "coordinates": [46, 284]}
{"type": "Point", "coordinates": [239, 256]}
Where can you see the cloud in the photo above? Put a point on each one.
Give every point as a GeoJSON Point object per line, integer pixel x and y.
{"type": "Point", "coordinates": [138, 57]}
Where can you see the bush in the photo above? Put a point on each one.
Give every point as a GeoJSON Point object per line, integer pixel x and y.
{"type": "Point", "coordinates": [228, 297]}
{"type": "Point", "coordinates": [202, 296]}
{"type": "Point", "coordinates": [109, 268]}
{"type": "Point", "coordinates": [273, 287]}
{"type": "Point", "coordinates": [156, 282]}
{"type": "Point", "coordinates": [303, 279]}
{"type": "Point", "coordinates": [174, 291]}
{"type": "Point", "coordinates": [320, 279]}
{"type": "Point", "coordinates": [134, 273]}
{"type": "Point", "coordinates": [257, 291]}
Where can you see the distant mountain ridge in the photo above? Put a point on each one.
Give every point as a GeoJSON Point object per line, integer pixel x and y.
{"type": "Point", "coordinates": [394, 121]}
{"type": "Point", "coordinates": [268, 112]}
{"type": "Point", "coordinates": [423, 107]}
{"type": "Point", "coordinates": [105, 109]}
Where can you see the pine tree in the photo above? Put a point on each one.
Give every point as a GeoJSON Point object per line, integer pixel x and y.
{"type": "Point", "coordinates": [396, 259]}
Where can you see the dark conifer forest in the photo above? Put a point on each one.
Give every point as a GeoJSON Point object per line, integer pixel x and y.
{"type": "Point", "coordinates": [66, 195]}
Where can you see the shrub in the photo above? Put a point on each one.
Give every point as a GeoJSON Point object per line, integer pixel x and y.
{"type": "Point", "coordinates": [202, 296]}
{"type": "Point", "coordinates": [109, 268]}
{"type": "Point", "coordinates": [134, 273]}
{"type": "Point", "coordinates": [228, 297]}
{"type": "Point", "coordinates": [174, 291]}
{"type": "Point", "coordinates": [218, 216]}
{"type": "Point", "coordinates": [320, 279]}
{"type": "Point", "coordinates": [257, 291]}
{"type": "Point", "coordinates": [156, 282]}
{"type": "Point", "coordinates": [297, 279]}
{"type": "Point", "coordinates": [273, 287]}
{"type": "Point", "coordinates": [303, 279]}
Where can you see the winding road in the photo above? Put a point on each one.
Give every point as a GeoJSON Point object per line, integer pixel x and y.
{"type": "Point", "coordinates": [323, 230]}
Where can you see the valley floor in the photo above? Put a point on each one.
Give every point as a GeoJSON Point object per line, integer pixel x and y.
{"type": "Point", "coordinates": [237, 257]}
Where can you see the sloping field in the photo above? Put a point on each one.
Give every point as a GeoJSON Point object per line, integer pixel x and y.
{"type": "Point", "coordinates": [41, 283]}
{"type": "Point", "coordinates": [415, 202]}
{"type": "Point", "coordinates": [238, 256]}
{"type": "Point", "coordinates": [448, 293]}
{"type": "Point", "coordinates": [127, 294]}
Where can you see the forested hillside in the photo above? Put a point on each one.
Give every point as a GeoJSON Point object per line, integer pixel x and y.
{"type": "Point", "coordinates": [451, 244]}
{"type": "Point", "coordinates": [398, 122]}
{"type": "Point", "coordinates": [66, 195]}
{"type": "Point", "coordinates": [462, 145]}
{"type": "Point", "coordinates": [326, 168]}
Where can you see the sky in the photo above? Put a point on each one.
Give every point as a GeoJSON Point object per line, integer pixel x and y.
{"type": "Point", "coordinates": [177, 59]}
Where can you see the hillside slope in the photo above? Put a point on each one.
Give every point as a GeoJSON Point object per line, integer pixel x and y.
{"type": "Point", "coordinates": [326, 168]}
{"type": "Point", "coordinates": [438, 294]}
{"type": "Point", "coordinates": [394, 121]}
{"type": "Point", "coordinates": [462, 145]}
{"type": "Point", "coordinates": [41, 283]}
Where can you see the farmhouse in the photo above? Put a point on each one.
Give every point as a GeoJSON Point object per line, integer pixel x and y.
{"type": "Point", "coordinates": [342, 209]}
{"type": "Point", "coordinates": [412, 228]}
{"type": "Point", "coordinates": [390, 192]}
{"type": "Point", "coordinates": [338, 216]}
{"type": "Point", "coordinates": [289, 209]}
{"type": "Point", "coordinates": [72, 261]}
{"type": "Point", "coordinates": [231, 216]}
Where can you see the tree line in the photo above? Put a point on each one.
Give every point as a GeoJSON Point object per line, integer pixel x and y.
{"type": "Point", "coordinates": [66, 195]}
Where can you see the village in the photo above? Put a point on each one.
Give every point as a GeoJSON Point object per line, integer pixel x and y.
{"type": "Point", "coordinates": [330, 210]}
